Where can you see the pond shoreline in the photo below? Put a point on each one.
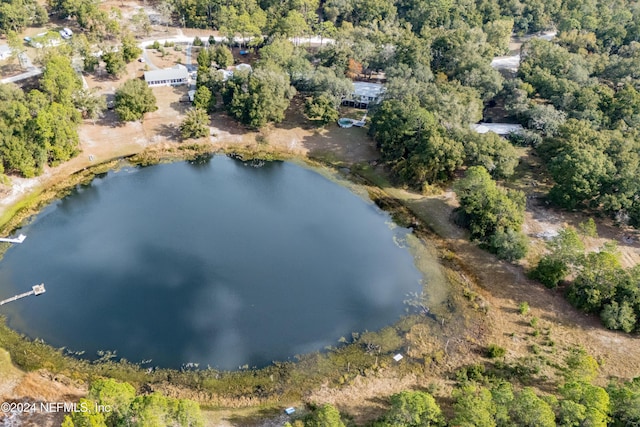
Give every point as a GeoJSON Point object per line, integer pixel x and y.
{"type": "Point", "coordinates": [31, 205]}
{"type": "Point", "coordinates": [478, 308]}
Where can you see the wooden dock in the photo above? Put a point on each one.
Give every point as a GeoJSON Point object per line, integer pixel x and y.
{"type": "Point", "coordinates": [18, 239]}
{"type": "Point", "coordinates": [35, 290]}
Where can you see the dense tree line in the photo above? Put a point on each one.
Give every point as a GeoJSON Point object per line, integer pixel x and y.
{"type": "Point", "coordinates": [594, 169]}
{"type": "Point", "coordinates": [483, 399]}
{"type": "Point", "coordinates": [15, 15]}
{"type": "Point", "coordinates": [98, 23]}
{"type": "Point", "coordinates": [111, 403]}
{"type": "Point", "coordinates": [598, 283]}
{"type": "Point", "coordinates": [39, 127]}
{"type": "Point", "coordinates": [259, 96]}
{"type": "Point", "coordinates": [494, 215]}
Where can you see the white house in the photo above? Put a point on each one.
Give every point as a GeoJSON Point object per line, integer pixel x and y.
{"type": "Point", "coordinates": [243, 67]}
{"type": "Point", "coordinates": [175, 76]}
{"type": "Point", "coordinates": [502, 129]}
{"type": "Point", "coordinates": [227, 74]}
{"type": "Point", "coordinates": [5, 52]}
{"type": "Point", "coordinates": [364, 94]}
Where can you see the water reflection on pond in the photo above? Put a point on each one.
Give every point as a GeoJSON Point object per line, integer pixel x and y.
{"type": "Point", "coordinates": [217, 263]}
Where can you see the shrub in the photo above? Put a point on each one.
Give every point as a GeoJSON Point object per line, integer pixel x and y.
{"type": "Point", "coordinates": [550, 271]}
{"type": "Point", "coordinates": [494, 351]}
{"type": "Point", "coordinates": [509, 245]}
{"type": "Point", "coordinates": [618, 316]}
{"type": "Point", "coordinates": [523, 308]}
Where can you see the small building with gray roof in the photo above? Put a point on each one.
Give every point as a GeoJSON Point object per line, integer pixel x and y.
{"type": "Point", "coordinates": [168, 77]}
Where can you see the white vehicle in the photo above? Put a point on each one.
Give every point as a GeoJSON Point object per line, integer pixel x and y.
{"type": "Point", "coordinates": [66, 33]}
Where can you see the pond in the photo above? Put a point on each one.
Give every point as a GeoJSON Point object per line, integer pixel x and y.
{"type": "Point", "coordinates": [217, 263]}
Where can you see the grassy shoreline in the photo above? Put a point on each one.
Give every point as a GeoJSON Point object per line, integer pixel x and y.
{"type": "Point", "coordinates": [277, 384]}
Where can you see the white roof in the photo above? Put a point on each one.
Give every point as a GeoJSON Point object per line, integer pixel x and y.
{"type": "Point", "coordinates": [240, 67]}
{"type": "Point", "coordinates": [4, 48]}
{"type": "Point", "coordinates": [499, 128]}
{"type": "Point", "coordinates": [511, 63]}
{"type": "Point", "coordinates": [166, 74]}
{"type": "Point", "coordinates": [372, 90]}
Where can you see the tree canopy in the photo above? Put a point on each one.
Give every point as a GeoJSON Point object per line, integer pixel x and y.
{"type": "Point", "coordinates": [133, 99]}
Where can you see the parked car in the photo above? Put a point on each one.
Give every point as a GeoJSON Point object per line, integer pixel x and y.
{"type": "Point", "coordinates": [66, 33]}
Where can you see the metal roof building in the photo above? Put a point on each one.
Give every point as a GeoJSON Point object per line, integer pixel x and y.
{"type": "Point", "coordinates": [5, 51]}
{"type": "Point", "coordinates": [364, 94]}
{"type": "Point", "coordinates": [167, 77]}
{"type": "Point", "coordinates": [502, 129]}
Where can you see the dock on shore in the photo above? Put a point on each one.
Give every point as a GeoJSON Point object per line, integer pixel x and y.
{"type": "Point", "coordinates": [18, 239]}
{"type": "Point", "coordinates": [35, 290]}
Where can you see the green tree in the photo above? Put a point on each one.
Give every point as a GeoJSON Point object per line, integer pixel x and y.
{"type": "Point", "coordinates": [55, 129]}
{"type": "Point", "coordinates": [293, 25]}
{"type": "Point", "coordinates": [580, 366]}
{"type": "Point", "coordinates": [195, 124]}
{"type": "Point", "coordinates": [499, 34]}
{"type": "Point", "coordinates": [414, 409]}
{"type": "Point", "coordinates": [142, 22]}
{"type": "Point", "coordinates": [488, 208]}
{"type": "Point", "coordinates": [591, 405]}
{"type": "Point", "coordinates": [221, 56]}
{"type": "Point", "coordinates": [528, 410]}
{"type": "Point", "coordinates": [85, 418]}
{"type": "Point", "coordinates": [625, 403]}
{"type": "Point", "coordinates": [258, 98]}
{"type": "Point", "coordinates": [596, 282]}
{"type": "Point", "coordinates": [130, 49]}
{"type": "Point", "coordinates": [566, 253]}
{"type": "Point", "coordinates": [133, 99]}
{"type": "Point", "coordinates": [496, 154]}
{"type": "Point", "coordinates": [509, 244]}
{"type": "Point", "coordinates": [324, 416]}
{"type": "Point", "coordinates": [619, 316]}
{"type": "Point", "coordinates": [473, 406]}
{"type": "Point", "coordinates": [550, 271]}
{"type": "Point", "coordinates": [545, 119]}
{"type": "Point", "coordinates": [116, 396]}
{"type": "Point", "coordinates": [203, 99]}
{"type": "Point", "coordinates": [324, 81]}
{"type": "Point", "coordinates": [155, 410]}
{"type": "Point", "coordinates": [59, 79]}
{"type": "Point", "coordinates": [89, 103]}
{"type": "Point", "coordinates": [204, 59]}
{"type": "Point", "coordinates": [151, 410]}
{"type": "Point", "coordinates": [16, 44]}
{"type": "Point", "coordinates": [626, 106]}
{"type": "Point", "coordinates": [114, 63]}
{"type": "Point", "coordinates": [580, 173]}
{"type": "Point", "coordinates": [321, 109]}
{"type": "Point", "coordinates": [413, 144]}
{"type": "Point", "coordinates": [279, 51]}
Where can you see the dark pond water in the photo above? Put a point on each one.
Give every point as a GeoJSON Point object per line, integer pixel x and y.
{"type": "Point", "coordinates": [220, 264]}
